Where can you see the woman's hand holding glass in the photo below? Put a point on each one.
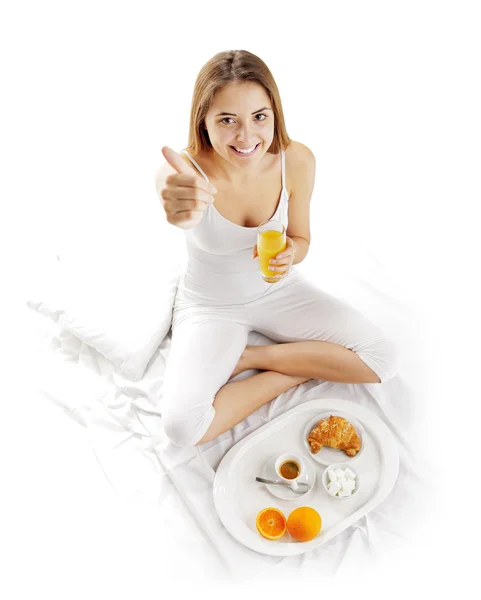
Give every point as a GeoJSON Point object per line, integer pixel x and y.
{"type": "Point", "coordinates": [275, 251]}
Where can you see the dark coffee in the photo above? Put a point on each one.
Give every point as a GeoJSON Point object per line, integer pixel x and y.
{"type": "Point", "coordinates": [290, 469]}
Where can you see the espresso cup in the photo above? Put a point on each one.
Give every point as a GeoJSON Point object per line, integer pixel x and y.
{"type": "Point", "coordinates": [290, 468]}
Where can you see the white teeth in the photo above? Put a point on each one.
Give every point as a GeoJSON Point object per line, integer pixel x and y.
{"type": "Point", "coordinates": [245, 151]}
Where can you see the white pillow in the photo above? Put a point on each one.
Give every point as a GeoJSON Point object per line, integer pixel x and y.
{"type": "Point", "coordinates": [121, 308]}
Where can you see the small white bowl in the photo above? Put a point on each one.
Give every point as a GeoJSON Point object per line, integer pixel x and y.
{"type": "Point", "coordinates": [340, 466]}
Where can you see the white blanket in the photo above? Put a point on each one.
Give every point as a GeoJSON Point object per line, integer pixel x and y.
{"type": "Point", "coordinates": [123, 420]}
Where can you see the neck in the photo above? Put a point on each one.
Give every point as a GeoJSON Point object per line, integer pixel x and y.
{"type": "Point", "coordinates": [237, 176]}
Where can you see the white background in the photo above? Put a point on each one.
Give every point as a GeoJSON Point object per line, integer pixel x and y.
{"type": "Point", "coordinates": [386, 95]}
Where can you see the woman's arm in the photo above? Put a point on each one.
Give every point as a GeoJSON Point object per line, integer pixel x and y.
{"type": "Point", "coordinates": [301, 248]}
{"type": "Point", "coordinates": [301, 172]}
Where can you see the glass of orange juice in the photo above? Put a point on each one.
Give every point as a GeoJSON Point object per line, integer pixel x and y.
{"type": "Point", "coordinates": [271, 239]}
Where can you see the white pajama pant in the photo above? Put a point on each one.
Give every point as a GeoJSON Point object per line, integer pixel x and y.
{"type": "Point", "coordinates": [208, 340]}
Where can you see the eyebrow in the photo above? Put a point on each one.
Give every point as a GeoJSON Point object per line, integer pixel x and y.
{"type": "Point", "coordinates": [234, 115]}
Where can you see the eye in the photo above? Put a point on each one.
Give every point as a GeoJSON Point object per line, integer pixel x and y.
{"type": "Point", "coordinates": [229, 118]}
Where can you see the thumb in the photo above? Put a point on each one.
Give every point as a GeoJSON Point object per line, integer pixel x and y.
{"type": "Point", "coordinates": [175, 160]}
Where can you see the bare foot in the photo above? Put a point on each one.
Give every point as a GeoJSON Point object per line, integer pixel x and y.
{"type": "Point", "coordinates": [244, 362]}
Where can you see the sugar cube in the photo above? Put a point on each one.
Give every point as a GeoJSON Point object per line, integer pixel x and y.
{"type": "Point", "coordinates": [343, 493]}
{"type": "Point", "coordinates": [339, 472]}
{"type": "Point", "coordinates": [332, 475]}
{"type": "Point", "coordinates": [348, 485]}
{"type": "Point", "coordinates": [349, 474]}
{"type": "Point", "coordinates": [341, 479]}
{"type": "Point", "coordinates": [334, 487]}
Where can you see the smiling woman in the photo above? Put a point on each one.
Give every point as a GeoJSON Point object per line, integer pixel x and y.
{"type": "Point", "coordinates": [245, 150]}
{"type": "Point", "coordinates": [210, 107]}
{"type": "Point", "coordinates": [239, 144]}
{"type": "Point", "coordinates": [244, 133]}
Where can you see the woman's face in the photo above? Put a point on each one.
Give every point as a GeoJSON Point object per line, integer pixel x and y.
{"type": "Point", "coordinates": [250, 122]}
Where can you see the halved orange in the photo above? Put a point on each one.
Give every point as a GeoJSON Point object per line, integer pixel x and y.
{"type": "Point", "coordinates": [271, 523]}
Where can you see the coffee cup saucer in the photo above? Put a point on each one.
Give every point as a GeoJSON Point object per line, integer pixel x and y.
{"type": "Point", "coordinates": [281, 491]}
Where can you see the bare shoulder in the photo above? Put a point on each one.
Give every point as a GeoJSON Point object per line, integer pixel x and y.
{"type": "Point", "coordinates": [299, 154]}
{"type": "Point", "coordinates": [300, 164]}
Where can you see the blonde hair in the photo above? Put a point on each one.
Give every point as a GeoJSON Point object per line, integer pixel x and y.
{"type": "Point", "coordinates": [227, 67]}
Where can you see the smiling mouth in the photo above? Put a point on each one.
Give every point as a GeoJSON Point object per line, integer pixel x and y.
{"type": "Point", "coordinates": [245, 153]}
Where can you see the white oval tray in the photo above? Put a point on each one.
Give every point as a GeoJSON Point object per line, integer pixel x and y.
{"type": "Point", "coordinates": [238, 497]}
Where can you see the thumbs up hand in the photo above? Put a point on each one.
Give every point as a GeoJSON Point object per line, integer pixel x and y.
{"type": "Point", "coordinates": [185, 195]}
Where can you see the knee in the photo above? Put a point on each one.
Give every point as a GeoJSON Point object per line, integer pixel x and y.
{"type": "Point", "coordinates": [177, 428]}
{"type": "Point", "coordinates": [381, 356]}
{"type": "Point", "coordinates": [185, 428]}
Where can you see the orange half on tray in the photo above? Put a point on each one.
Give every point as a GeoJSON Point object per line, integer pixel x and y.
{"type": "Point", "coordinates": [271, 523]}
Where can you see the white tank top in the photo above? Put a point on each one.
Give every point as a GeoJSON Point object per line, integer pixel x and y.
{"type": "Point", "coordinates": [220, 268]}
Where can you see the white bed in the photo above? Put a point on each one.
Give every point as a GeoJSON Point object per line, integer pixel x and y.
{"type": "Point", "coordinates": [165, 493]}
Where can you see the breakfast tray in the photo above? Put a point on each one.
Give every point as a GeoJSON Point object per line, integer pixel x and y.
{"type": "Point", "coordinates": [238, 498]}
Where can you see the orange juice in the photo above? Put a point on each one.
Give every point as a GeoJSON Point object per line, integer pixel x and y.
{"type": "Point", "coordinates": [269, 245]}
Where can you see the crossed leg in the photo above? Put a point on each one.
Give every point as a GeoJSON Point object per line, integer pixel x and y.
{"type": "Point", "coordinates": [320, 337]}
{"type": "Point", "coordinates": [198, 402]}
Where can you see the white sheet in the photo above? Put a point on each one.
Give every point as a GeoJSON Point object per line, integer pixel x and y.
{"type": "Point", "coordinates": [124, 426]}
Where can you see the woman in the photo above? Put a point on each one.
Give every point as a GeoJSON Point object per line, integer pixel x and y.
{"type": "Point", "coordinates": [240, 169]}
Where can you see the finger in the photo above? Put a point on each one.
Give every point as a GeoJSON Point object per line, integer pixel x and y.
{"type": "Point", "coordinates": [284, 261]}
{"type": "Point", "coordinates": [189, 193]}
{"type": "Point", "coordinates": [190, 180]}
{"type": "Point", "coordinates": [254, 251]}
{"type": "Point", "coordinates": [196, 205]}
{"type": "Point", "coordinates": [175, 160]}
{"type": "Point", "coordinates": [192, 213]}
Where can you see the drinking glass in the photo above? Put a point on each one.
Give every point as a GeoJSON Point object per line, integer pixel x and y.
{"type": "Point", "coordinates": [271, 240]}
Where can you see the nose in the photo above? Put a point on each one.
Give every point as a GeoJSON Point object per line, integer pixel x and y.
{"type": "Point", "coordinates": [245, 136]}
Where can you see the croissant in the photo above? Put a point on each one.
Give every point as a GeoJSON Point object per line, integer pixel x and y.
{"type": "Point", "coordinates": [337, 433]}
